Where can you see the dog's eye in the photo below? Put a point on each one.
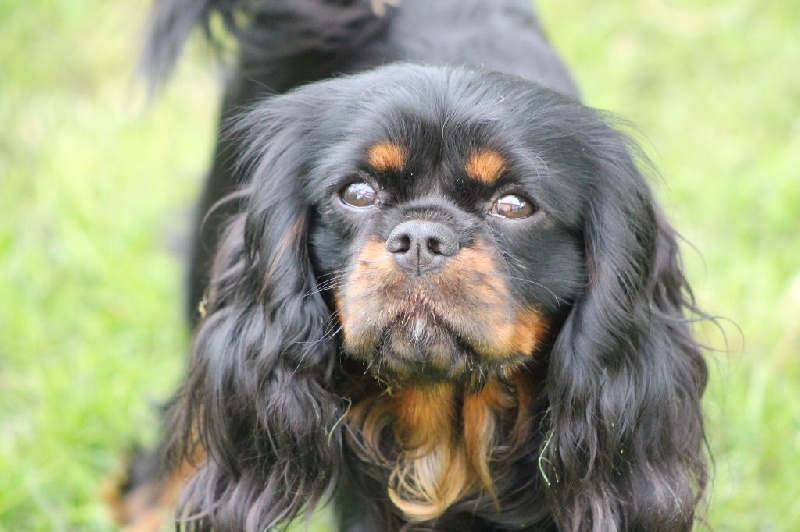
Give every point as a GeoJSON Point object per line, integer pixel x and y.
{"type": "Point", "coordinates": [359, 195]}
{"type": "Point", "coordinates": [512, 206]}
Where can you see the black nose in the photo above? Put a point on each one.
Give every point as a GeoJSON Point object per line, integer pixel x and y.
{"type": "Point", "coordinates": [421, 246]}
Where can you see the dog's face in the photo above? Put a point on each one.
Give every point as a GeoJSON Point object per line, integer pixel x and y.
{"type": "Point", "coordinates": [447, 237]}
{"type": "Point", "coordinates": [447, 230]}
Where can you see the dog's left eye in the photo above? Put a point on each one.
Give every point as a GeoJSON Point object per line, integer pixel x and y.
{"type": "Point", "coordinates": [360, 195]}
{"type": "Point", "coordinates": [512, 206]}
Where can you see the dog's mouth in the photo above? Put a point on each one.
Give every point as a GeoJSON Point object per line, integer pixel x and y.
{"type": "Point", "coordinates": [422, 347]}
{"type": "Point", "coordinates": [460, 324]}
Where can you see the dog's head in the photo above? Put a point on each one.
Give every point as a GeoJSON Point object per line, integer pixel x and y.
{"type": "Point", "coordinates": [434, 225]}
{"type": "Point", "coordinates": [446, 232]}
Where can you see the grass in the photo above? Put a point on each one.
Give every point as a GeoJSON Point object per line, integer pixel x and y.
{"type": "Point", "coordinates": [96, 188]}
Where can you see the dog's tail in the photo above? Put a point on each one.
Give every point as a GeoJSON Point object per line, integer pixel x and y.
{"type": "Point", "coordinates": [265, 30]}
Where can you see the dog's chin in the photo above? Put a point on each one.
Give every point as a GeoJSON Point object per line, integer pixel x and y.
{"type": "Point", "coordinates": [420, 349]}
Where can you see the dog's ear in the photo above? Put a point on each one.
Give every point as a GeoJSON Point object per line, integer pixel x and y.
{"type": "Point", "coordinates": [624, 448]}
{"type": "Point", "coordinates": [258, 397]}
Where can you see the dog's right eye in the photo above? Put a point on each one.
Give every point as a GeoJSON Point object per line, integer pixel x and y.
{"type": "Point", "coordinates": [359, 195]}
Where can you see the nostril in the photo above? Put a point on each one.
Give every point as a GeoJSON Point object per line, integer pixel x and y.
{"type": "Point", "coordinates": [445, 243]}
{"type": "Point", "coordinates": [399, 243]}
{"type": "Point", "coordinates": [434, 246]}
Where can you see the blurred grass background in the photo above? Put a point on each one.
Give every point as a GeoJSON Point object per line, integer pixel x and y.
{"type": "Point", "coordinates": [96, 189]}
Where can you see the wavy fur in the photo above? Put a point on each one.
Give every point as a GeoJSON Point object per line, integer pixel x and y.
{"type": "Point", "coordinates": [596, 426]}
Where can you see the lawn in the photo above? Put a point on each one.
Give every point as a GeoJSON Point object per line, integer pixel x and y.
{"type": "Point", "coordinates": [96, 189]}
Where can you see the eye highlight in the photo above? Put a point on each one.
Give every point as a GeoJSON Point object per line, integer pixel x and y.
{"type": "Point", "coordinates": [513, 207]}
{"type": "Point", "coordinates": [359, 195]}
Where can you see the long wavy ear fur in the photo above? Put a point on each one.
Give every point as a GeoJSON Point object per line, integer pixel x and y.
{"type": "Point", "coordinates": [625, 445]}
{"type": "Point", "coordinates": [258, 394]}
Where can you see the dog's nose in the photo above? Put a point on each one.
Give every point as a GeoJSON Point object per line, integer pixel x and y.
{"type": "Point", "coordinates": [421, 246]}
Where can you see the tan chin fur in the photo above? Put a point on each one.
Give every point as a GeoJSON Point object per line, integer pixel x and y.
{"type": "Point", "coordinates": [445, 441]}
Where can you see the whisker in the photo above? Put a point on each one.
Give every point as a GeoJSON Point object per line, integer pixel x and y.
{"type": "Point", "coordinates": [333, 281]}
{"type": "Point", "coordinates": [558, 300]}
{"type": "Point", "coordinates": [324, 287]}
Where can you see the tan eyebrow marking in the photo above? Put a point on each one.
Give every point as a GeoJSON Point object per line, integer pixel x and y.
{"type": "Point", "coordinates": [485, 165]}
{"type": "Point", "coordinates": [385, 156]}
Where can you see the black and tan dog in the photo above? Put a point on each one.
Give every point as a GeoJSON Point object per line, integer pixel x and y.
{"type": "Point", "coordinates": [438, 289]}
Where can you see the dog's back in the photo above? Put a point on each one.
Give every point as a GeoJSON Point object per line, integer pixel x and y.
{"type": "Point", "coordinates": [285, 43]}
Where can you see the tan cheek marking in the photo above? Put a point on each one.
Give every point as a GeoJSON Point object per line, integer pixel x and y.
{"type": "Point", "coordinates": [523, 334]}
{"type": "Point", "coordinates": [485, 165]}
{"type": "Point", "coordinates": [475, 267]}
{"type": "Point", "coordinates": [514, 332]}
{"type": "Point", "coordinates": [386, 156]}
{"type": "Point", "coordinates": [374, 267]}
{"type": "Point", "coordinates": [528, 330]}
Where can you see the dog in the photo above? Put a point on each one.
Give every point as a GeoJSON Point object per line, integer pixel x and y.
{"type": "Point", "coordinates": [435, 287]}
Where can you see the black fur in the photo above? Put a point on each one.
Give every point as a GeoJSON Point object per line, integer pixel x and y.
{"type": "Point", "coordinates": [614, 428]}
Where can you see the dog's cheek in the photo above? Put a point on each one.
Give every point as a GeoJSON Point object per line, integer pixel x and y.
{"type": "Point", "coordinates": [512, 326]}
{"type": "Point", "coordinates": [524, 334]}
{"type": "Point", "coordinates": [547, 270]}
{"type": "Point", "coordinates": [359, 300]}
{"type": "Point", "coordinates": [327, 250]}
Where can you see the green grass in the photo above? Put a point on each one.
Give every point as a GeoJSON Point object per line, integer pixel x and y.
{"type": "Point", "coordinates": [96, 188]}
